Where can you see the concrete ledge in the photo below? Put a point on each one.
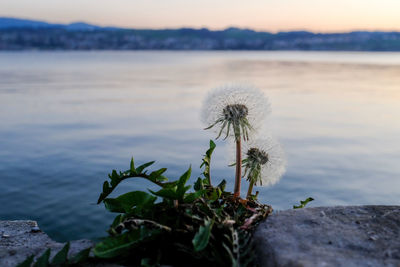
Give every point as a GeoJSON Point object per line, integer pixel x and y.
{"type": "Point", "coordinates": [326, 236]}
{"type": "Point", "coordinates": [330, 236]}
{"type": "Point", "coordinates": [20, 239]}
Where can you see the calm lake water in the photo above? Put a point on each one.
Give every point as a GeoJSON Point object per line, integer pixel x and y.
{"type": "Point", "coordinates": [68, 118]}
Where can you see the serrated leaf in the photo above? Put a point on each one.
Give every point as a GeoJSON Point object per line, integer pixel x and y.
{"type": "Point", "coordinates": [27, 262]}
{"type": "Point", "coordinates": [200, 240]}
{"type": "Point", "coordinates": [156, 174]}
{"type": "Point", "coordinates": [61, 256]}
{"type": "Point", "coordinates": [43, 261]}
{"type": "Point", "coordinates": [116, 179]}
{"type": "Point", "coordinates": [144, 166]}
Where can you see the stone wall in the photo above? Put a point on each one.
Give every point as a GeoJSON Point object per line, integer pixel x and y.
{"type": "Point", "coordinates": [326, 236]}
{"type": "Point", "coordinates": [21, 239]}
{"type": "Point", "coordinates": [331, 236]}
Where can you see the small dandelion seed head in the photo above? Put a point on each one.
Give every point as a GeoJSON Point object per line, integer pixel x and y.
{"type": "Point", "coordinates": [257, 156]}
{"type": "Point", "coordinates": [235, 110]}
{"type": "Point", "coordinates": [264, 158]}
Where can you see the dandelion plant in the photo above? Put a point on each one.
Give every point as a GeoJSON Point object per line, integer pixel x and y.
{"type": "Point", "coordinates": [236, 111]}
{"type": "Point", "coordinates": [180, 225]}
{"type": "Point", "coordinates": [264, 162]}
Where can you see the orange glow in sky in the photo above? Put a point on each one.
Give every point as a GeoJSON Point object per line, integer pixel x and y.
{"type": "Point", "coordinates": [267, 15]}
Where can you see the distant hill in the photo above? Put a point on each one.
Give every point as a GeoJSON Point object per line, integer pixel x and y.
{"type": "Point", "coordinates": [21, 34]}
{"type": "Point", "coordinates": [6, 23]}
{"type": "Point", "coordinates": [15, 23]}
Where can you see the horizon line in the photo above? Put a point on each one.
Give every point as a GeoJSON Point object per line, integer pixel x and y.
{"type": "Point", "coordinates": [204, 27]}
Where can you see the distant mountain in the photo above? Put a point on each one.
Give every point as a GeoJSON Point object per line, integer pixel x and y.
{"type": "Point", "coordinates": [21, 34]}
{"type": "Point", "coordinates": [15, 23]}
{"type": "Point", "coordinates": [6, 23]}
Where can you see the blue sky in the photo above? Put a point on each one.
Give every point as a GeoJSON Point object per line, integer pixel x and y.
{"type": "Point", "coordinates": [269, 15]}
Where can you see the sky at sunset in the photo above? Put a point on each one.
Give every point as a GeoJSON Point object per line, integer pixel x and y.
{"type": "Point", "coordinates": [266, 15]}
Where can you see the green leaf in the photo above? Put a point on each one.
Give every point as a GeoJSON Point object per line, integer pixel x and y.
{"type": "Point", "coordinates": [132, 169]}
{"type": "Point", "coordinates": [211, 149]}
{"type": "Point", "coordinates": [169, 193]}
{"type": "Point", "coordinates": [43, 261]}
{"type": "Point", "coordinates": [137, 199]}
{"type": "Point", "coordinates": [184, 178]}
{"type": "Point", "coordinates": [206, 161]}
{"type": "Point", "coordinates": [181, 188]}
{"type": "Point", "coordinates": [82, 256]}
{"type": "Point", "coordinates": [115, 178]}
{"type": "Point", "coordinates": [116, 245]}
{"type": "Point", "coordinates": [214, 194]}
{"type": "Point", "coordinates": [61, 256]}
{"type": "Point", "coordinates": [198, 185]}
{"type": "Point", "coordinates": [222, 185]}
{"type": "Point", "coordinates": [126, 202]}
{"type": "Point", "coordinates": [303, 203]}
{"type": "Point", "coordinates": [113, 205]}
{"type": "Point", "coordinates": [200, 240]}
{"type": "Point", "coordinates": [106, 186]}
{"type": "Point", "coordinates": [144, 166]}
{"type": "Point", "coordinates": [157, 174]}
{"type": "Point", "coordinates": [182, 192]}
{"type": "Point", "coordinates": [27, 262]}
{"type": "Point", "coordinates": [193, 196]}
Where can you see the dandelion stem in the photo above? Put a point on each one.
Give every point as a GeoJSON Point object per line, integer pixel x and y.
{"type": "Point", "coordinates": [238, 175]}
{"type": "Point", "coordinates": [250, 188]}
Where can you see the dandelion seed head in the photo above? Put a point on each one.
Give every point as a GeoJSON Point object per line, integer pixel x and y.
{"type": "Point", "coordinates": [240, 105]}
{"type": "Point", "coordinates": [265, 158]}
{"type": "Point", "coordinates": [258, 156]}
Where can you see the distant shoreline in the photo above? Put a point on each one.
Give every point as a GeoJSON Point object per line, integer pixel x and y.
{"type": "Point", "coordinates": [17, 34]}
